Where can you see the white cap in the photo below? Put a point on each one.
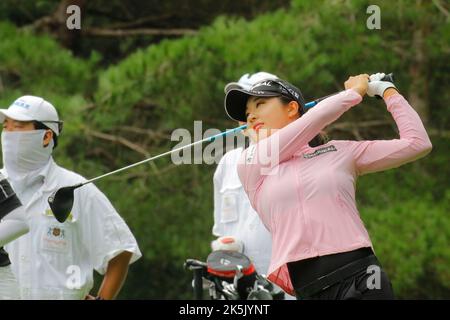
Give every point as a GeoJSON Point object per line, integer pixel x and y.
{"type": "Point", "coordinates": [247, 80]}
{"type": "Point", "coordinates": [31, 108]}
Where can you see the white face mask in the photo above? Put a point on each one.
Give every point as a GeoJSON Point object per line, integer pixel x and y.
{"type": "Point", "coordinates": [23, 152]}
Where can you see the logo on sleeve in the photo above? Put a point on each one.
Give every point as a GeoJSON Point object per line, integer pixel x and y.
{"type": "Point", "coordinates": [320, 151]}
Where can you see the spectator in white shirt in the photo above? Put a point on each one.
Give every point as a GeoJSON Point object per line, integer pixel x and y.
{"type": "Point", "coordinates": [56, 260]}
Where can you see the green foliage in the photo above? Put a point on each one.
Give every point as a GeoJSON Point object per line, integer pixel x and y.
{"type": "Point", "coordinates": [118, 115]}
{"type": "Point", "coordinates": [405, 211]}
{"type": "Point", "coordinates": [37, 65]}
{"type": "Point", "coordinates": [25, 10]}
{"type": "Point", "coordinates": [26, 58]}
{"type": "Point", "coordinates": [411, 240]}
{"type": "Point", "coordinates": [183, 79]}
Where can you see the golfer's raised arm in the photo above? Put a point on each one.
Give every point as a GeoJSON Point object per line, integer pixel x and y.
{"type": "Point", "coordinates": [414, 143]}
{"type": "Point", "coordinates": [291, 138]}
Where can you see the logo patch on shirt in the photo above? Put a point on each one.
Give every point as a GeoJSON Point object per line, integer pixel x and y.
{"type": "Point", "coordinates": [320, 151]}
{"type": "Point", "coordinates": [56, 232]}
{"type": "Point", "coordinates": [55, 239]}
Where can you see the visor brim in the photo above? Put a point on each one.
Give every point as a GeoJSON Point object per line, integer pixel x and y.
{"type": "Point", "coordinates": [236, 102]}
{"type": "Point", "coordinates": [13, 115]}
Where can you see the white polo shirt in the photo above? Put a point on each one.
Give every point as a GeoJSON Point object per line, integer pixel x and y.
{"type": "Point", "coordinates": [56, 260]}
{"type": "Point", "coordinates": [234, 216]}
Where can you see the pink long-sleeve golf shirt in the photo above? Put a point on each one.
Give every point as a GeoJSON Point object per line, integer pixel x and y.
{"type": "Point", "coordinates": [306, 196]}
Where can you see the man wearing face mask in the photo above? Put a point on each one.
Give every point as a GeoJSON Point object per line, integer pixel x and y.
{"type": "Point", "coordinates": [56, 260]}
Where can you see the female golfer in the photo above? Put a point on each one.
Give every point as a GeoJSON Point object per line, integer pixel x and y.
{"type": "Point", "coordinates": [234, 217]}
{"type": "Point", "coordinates": [305, 195]}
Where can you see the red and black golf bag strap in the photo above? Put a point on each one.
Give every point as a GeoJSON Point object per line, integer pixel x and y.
{"type": "Point", "coordinates": [223, 263]}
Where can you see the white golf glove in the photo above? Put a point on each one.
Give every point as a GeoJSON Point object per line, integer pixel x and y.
{"type": "Point", "coordinates": [377, 87]}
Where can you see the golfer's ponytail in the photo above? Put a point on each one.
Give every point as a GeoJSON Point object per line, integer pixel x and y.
{"type": "Point", "coordinates": [318, 140]}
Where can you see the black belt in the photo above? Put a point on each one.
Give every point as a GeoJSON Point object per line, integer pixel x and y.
{"type": "Point", "coordinates": [336, 276]}
{"type": "Point", "coordinates": [4, 259]}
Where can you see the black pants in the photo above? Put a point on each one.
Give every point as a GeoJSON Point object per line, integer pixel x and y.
{"type": "Point", "coordinates": [354, 275]}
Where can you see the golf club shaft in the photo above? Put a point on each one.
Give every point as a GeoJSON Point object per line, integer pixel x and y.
{"type": "Point", "coordinates": [388, 77]}
{"type": "Point", "coordinates": [209, 139]}
{"type": "Point", "coordinates": [313, 103]}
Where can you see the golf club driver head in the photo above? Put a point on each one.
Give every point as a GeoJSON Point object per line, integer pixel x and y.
{"type": "Point", "coordinates": [61, 202]}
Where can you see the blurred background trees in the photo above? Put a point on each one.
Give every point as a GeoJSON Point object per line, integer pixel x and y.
{"type": "Point", "coordinates": [138, 70]}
